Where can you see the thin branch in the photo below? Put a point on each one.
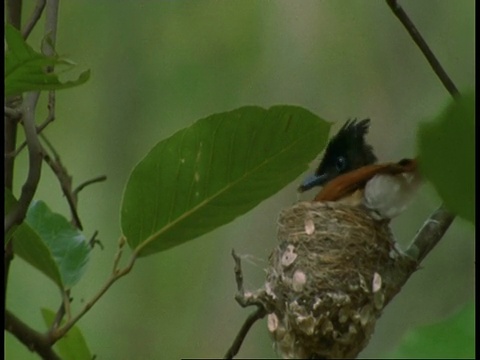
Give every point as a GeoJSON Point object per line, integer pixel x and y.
{"type": "Point", "coordinates": [51, 21]}
{"type": "Point", "coordinates": [33, 340]}
{"type": "Point", "coordinates": [36, 14]}
{"type": "Point", "coordinates": [94, 241]}
{"type": "Point", "coordinates": [247, 325]}
{"type": "Point", "coordinates": [245, 299]}
{"type": "Point", "coordinates": [50, 117]}
{"type": "Point", "coordinates": [87, 183]}
{"type": "Point", "coordinates": [116, 274]}
{"type": "Point", "coordinates": [18, 213]}
{"type": "Point", "coordinates": [65, 181]}
{"type": "Point", "coordinates": [421, 43]}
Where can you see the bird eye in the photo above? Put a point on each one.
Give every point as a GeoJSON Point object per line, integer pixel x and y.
{"type": "Point", "coordinates": [340, 163]}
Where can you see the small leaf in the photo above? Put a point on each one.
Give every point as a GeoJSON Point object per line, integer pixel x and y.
{"type": "Point", "coordinates": [73, 345]}
{"type": "Point", "coordinates": [25, 69]}
{"type": "Point", "coordinates": [453, 338]}
{"type": "Point", "coordinates": [28, 246]}
{"type": "Point", "coordinates": [447, 155]}
{"type": "Point", "coordinates": [206, 175]}
{"type": "Point", "coordinates": [67, 245]}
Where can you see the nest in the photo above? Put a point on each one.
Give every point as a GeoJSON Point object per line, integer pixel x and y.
{"type": "Point", "coordinates": [328, 279]}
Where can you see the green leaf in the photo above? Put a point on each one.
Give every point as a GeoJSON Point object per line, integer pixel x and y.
{"type": "Point", "coordinates": [73, 345]}
{"type": "Point", "coordinates": [206, 175]}
{"type": "Point", "coordinates": [453, 338]}
{"type": "Point", "coordinates": [28, 246]}
{"type": "Point", "coordinates": [25, 69]}
{"type": "Point", "coordinates": [67, 245]}
{"type": "Point", "coordinates": [447, 155]}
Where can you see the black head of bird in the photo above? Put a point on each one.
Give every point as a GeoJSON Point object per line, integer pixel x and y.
{"type": "Point", "coordinates": [345, 152]}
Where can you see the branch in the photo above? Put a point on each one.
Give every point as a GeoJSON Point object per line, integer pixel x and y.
{"type": "Point", "coordinates": [430, 234]}
{"type": "Point", "coordinates": [65, 181]}
{"type": "Point", "coordinates": [421, 43]}
{"type": "Point", "coordinates": [58, 333]}
{"type": "Point", "coordinates": [87, 183]}
{"type": "Point", "coordinates": [14, 12]}
{"type": "Point", "coordinates": [16, 216]}
{"type": "Point", "coordinates": [245, 299]}
{"type": "Point", "coordinates": [32, 339]}
{"type": "Point", "coordinates": [50, 117]}
{"type": "Point", "coordinates": [36, 14]}
{"type": "Point", "coordinates": [251, 319]}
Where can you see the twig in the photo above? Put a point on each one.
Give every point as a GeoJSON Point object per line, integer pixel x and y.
{"type": "Point", "coordinates": [18, 213]}
{"type": "Point", "coordinates": [33, 340]}
{"type": "Point", "coordinates": [50, 117]}
{"type": "Point", "coordinates": [36, 14]}
{"type": "Point", "coordinates": [418, 39]}
{"type": "Point", "coordinates": [65, 181]}
{"type": "Point", "coordinates": [251, 319]}
{"type": "Point", "coordinates": [60, 332]}
{"type": "Point", "coordinates": [245, 299]}
{"type": "Point", "coordinates": [93, 241]}
{"type": "Point", "coordinates": [51, 20]}
{"type": "Point", "coordinates": [87, 183]}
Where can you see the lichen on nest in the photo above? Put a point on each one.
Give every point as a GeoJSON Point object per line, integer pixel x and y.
{"type": "Point", "coordinates": [327, 279]}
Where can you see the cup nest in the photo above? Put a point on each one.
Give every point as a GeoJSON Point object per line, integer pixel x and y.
{"type": "Point", "coordinates": [327, 279]}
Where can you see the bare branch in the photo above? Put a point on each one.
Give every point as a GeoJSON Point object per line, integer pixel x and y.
{"type": "Point", "coordinates": [51, 20]}
{"type": "Point", "coordinates": [245, 299]}
{"type": "Point", "coordinates": [94, 241]}
{"type": "Point", "coordinates": [32, 339]}
{"type": "Point", "coordinates": [36, 14]}
{"type": "Point", "coordinates": [430, 234]}
{"type": "Point", "coordinates": [65, 181]}
{"type": "Point", "coordinates": [237, 343]}
{"type": "Point", "coordinates": [421, 43]}
{"type": "Point", "coordinates": [89, 182]}
{"type": "Point", "coordinates": [116, 274]}
{"type": "Point", "coordinates": [50, 117]}
{"type": "Point", "coordinates": [18, 213]}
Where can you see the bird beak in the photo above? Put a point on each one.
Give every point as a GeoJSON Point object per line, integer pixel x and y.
{"type": "Point", "coordinates": [312, 181]}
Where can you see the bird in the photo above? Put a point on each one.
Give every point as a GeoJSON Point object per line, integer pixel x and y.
{"type": "Point", "coordinates": [345, 152]}
{"type": "Point", "coordinates": [349, 174]}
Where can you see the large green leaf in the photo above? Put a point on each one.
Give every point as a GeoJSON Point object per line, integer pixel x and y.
{"type": "Point", "coordinates": [28, 245]}
{"type": "Point", "coordinates": [73, 345]}
{"type": "Point", "coordinates": [453, 338]}
{"type": "Point", "coordinates": [66, 244]}
{"type": "Point", "coordinates": [447, 155]}
{"type": "Point", "coordinates": [208, 174]}
{"type": "Point", "coordinates": [25, 69]}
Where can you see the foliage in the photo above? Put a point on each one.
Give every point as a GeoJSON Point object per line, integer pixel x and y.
{"type": "Point", "coordinates": [447, 155]}
{"type": "Point", "coordinates": [453, 338]}
{"type": "Point", "coordinates": [27, 70]}
{"type": "Point", "coordinates": [214, 171]}
{"type": "Point", "coordinates": [203, 177]}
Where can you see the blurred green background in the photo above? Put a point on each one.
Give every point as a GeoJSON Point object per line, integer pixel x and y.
{"type": "Point", "coordinates": [159, 66]}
